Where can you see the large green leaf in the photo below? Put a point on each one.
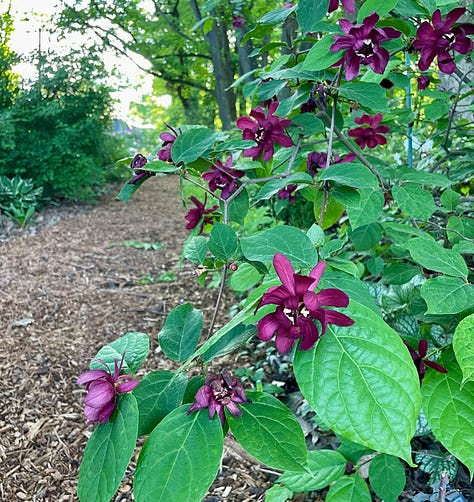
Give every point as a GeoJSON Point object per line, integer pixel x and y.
{"type": "Point", "coordinates": [274, 186]}
{"type": "Point", "coordinates": [127, 191]}
{"type": "Point", "coordinates": [157, 394]}
{"type": "Point", "coordinates": [270, 432]}
{"type": "Point", "coordinates": [362, 382]}
{"type": "Point", "coordinates": [363, 206]}
{"type": "Point", "coordinates": [432, 255]}
{"type": "Point", "coordinates": [233, 339]}
{"type": "Point", "coordinates": [350, 174]}
{"type": "Point", "coordinates": [180, 458]}
{"type": "Point", "coordinates": [180, 333]}
{"type": "Point", "coordinates": [320, 57]}
{"type": "Point", "coordinates": [463, 345]}
{"type": "Point", "coordinates": [223, 241]}
{"type": "Point", "coordinates": [381, 8]}
{"type": "Point", "coordinates": [349, 489]}
{"type": "Point", "coordinates": [284, 239]}
{"type": "Point", "coordinates": [449, 408]}
{"type": "Point", "coordinates": [370, 95]}
{"type": "Point", "coordinates": [193, 143]}
{"type": "Point", "coordinates": [387, 477]}
{"type": "Point", "coordinates": [418, 203]}
{"type": "Point", "coordinates": [321, 469]}
{"type": "Point", "coordinates": [195, 249]}
{"type": "Point", "coordinates": [134, 346]}
{"type": "Point", "coordinates": [309, 12]}
{"type": "Point", "coordinates": [245, 277]}
{"type": "Point", "coordinates": [108, 452]}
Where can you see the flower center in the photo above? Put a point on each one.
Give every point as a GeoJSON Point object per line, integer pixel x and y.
{"type": "Point", "coordinates": [450, 38]}
{"type": "Point", "coordinates": [366, 50]}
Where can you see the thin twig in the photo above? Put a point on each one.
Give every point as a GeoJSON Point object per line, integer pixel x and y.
{"type": "Point", "coordinates": [442, 486]}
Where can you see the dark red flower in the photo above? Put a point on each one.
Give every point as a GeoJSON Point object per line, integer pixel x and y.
{"type": "Point", "coordinates": [223, 177]}
{"type": "Point", "coordinates": [238, 22]}
{"type": "Point", "coordinates": [288, 193]}
{"type": "Point", "coordinates": [441, 40]}
{"type": "Point", "coordinates": [347, 5]}
{"type": "Point", "coordinates": [102, 390]}
{"type": "Point", "coordinates": [198, 214]}
{"type": "Point", "coordinates": [298, 306]}
{"type": "Point", "coordinates": [318, 160]}
{"type": "Point", "coordinates": [372, 134]}
{"type": "Point", "coordinates": [219, 392]}
{"type": "Point", "coordinates": [423, 82]}
{"type": "Point", "coordinates": [362, 45]}
{"type": "Point", "coordinates": [419, 358]}
{"type": "Point", "coordinates": [138, 162]}
{"type": "Point", "coordinates": [265, 130]}
{"type": "Point", "coordinates": [167, 142]}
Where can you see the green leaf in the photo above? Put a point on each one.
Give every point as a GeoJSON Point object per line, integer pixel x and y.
{"type": "Point", "coordinates": [349, 489]}
{"type": "Point", "coordinates": [180, 458]}
{"type": "Point", "coordinates": [223, 241]}
{"type": "Point", "coordinates": [363, 206]}
{"type": "Point", "coordinates": [381, 8]}
{"type": "Point", "coordinates": [193, 143]}
{"type": "Point", "coordinates": [278, 493]}
{"type": "Point", "coordinates": [418, 203]}
{"type": "Point", "coordinates": [276, 16]}
{"type": "Point", "coordinates": [449, 408]}
{"type": "Point", "coordinates": [239, 207]}
{"type": "Point", "coordinates": [368, 94]}
{"type": "Point", "coordinates": [316, 234]}
{"type": "Point", "coordinates": [157, 394]}
{"type": "Point", "coordinates": [387, 477]}
{"type": "Point", "coordinates": [309, 12]}
{"type": "Point", "coordinates": [284, 239]}
{"type": "Point", "coordinates": [400, 233]}
{"type": "Point", "coordinates": [422, 177]}
{"type": "Point", "coordinates": [321, 469]}
{"type": "Point", "coordinates": [269, 432]}
{"type": "Point", "coordinates": [274, 186]}
{"type": "Point", "coordinates": [160, 166]}
{"type": "Point", "coordinates": [450, 199]}
{"type": "Point", "coordinates": [108, 452]}
{"type": "Point", "coordinates": [129, 189]}
{"type": "Point", "coordinates": [462, 226]}
{"type": "Point", "coordinates": [320, 57]}
{"type": "Point", "coordinates": [432, 255]}
{"type": "Point", "coordinates": [195, 249]}
{"type": "Point", "coordinates": [350, 174]}
{"type": "Point", "coordinates": [463, 345]}
{"type": "Point", "coordinates": [435, 462]}
{"type": "Point", "coordinates": [366, 237]}
{"type": "Point", "coordinates": [234, 338]}
{"type": "Point", "coordinates": [399, 273]}
{"type": "Point", "coordinates": [245, 277]}
{"type": "Point", "coordinates": [363, 383]}
{"type": "Point", "coordinates": [180, 333]}
{"type": "Point", "coordinates": [134, 345]}
{"type": "Point", "coordinates": [333, 209]}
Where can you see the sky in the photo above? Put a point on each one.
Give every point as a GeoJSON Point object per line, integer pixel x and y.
{"type": "Point", "coordinates": [30, 15]}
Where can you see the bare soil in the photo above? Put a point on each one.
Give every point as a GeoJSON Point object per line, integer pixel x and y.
{"type": "Point", "coordinates": [68, 286]}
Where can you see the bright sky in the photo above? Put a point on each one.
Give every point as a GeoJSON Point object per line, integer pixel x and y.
{"type": "Point", "coordinates": [30, 15]}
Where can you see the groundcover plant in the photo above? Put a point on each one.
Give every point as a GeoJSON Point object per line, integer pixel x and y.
{"type": "Point", "coordinates": [339, 210]}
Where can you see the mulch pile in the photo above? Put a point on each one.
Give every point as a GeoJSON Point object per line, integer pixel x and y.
{"type": "Point", "coordinates": [68, 286]}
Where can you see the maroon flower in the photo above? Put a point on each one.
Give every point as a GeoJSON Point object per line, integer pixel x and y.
{"type": "Point", "coordinates": [288, 193]}
{"type": "Point", "coordinates": [167, 142]}
{"type": "Point", "coordinates": [137, 163]}
{"type": "Point", "coordinates": [223, 177]}
{"type": "Point", "coordinates": [318, 160]}
{"type": "Point", "coordinates": [219, 392]}
{"type": "Point", "coordinates": [423, 82]}
{"type": "Point", "coordinates": [362, 45]}
{"type": "Point", "coordinates": [420, 361]}
{"type": "Point", "coordinates": [266, 130]}
{"type": "Point", "coordinates": [198, 214]}
{"type": "Point", "coordinates": [238, 22]}
{"type": "Point", "coordinates": [298, 306]}
{"type": "Point", "coordinates": [102, 390]}
{"type": "Point", "coordinates": [347, 5]}
{"type": "Point", "coordinates": [370, 135]}
{"type": "Point", "coordinates": [441, 40]}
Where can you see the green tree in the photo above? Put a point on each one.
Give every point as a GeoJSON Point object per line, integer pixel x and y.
{"type": "Point", "coordinates": [8, 79]}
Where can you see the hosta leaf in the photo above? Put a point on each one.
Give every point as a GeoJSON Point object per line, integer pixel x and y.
{"type": "Point", "coordinates": [447, 295]}
{"type": "Point", "coordinates": [321, 469]}
{"type": "Point", "coordinates": [180, 458]}
{"type": "Point", "coordinates": [134, 345]}
{"type": "Point", "coordinates": [157, 394]}
{"type": "Point", "coordinates": [180, 333]}
{"type": "Point", "coordinates": [349, 489]}
{"type": "Point", "coordinates": [270, 432]}
{"type": "Point", "coordinates": [362, 382]}
{"type": "Point", "coordinates": [108, 452]}
{"type": "Point", "coordinates": [284, 239]}
{"type": "Point", "coordinates": [433, 256]}
{"type": "Point", "coordinates": [387, 477]}
{"type": "Point", "coordinates": [449, 408]}
{"type": "Point", "coordinates": [463, 345]}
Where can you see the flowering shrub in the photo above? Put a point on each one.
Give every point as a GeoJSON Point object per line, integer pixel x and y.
{"type": "Point", "coordinates": [372, 301]}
